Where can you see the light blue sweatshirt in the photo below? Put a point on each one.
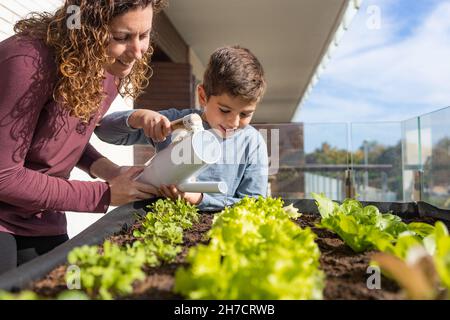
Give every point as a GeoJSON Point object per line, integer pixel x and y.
{"type": "Point", "coordinates": [244, 164]}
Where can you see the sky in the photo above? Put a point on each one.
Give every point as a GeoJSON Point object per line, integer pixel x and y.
{"type": "Point", "coordinates": [393, 70]}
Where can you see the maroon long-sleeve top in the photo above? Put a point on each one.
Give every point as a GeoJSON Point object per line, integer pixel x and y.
{"type": "Point", "coordinates": [40, 144]}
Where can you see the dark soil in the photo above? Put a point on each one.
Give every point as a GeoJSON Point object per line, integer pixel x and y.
{"type": "Point", "coordinates": [159, 281]}
{"type": "Point", "coordinates": [346, 271]}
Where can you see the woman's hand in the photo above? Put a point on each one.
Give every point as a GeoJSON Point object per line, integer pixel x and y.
{"type": "Point", "coordinates": [125, 189]}
{"type": "Point", "coordinates": [173, 193]}
{"type": "Point", "coordinates": [155, 125]}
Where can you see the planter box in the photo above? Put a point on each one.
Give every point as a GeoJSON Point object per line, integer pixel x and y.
{"type": "Point", "coordinates": [343, 267]}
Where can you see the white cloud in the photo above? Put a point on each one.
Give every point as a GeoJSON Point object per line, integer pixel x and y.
{"type": "Point", "coordinates": [392, 80]}
{"type": "Point", "coordinates": [361, 38]}
{"type": "Point", "coordinates": [331, 108]}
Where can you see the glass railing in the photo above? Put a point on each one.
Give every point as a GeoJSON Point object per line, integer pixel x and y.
{"type": "Point", "coordinates": [376, 151]}
{"type": "Point", "coordinates": [434, 145]}
{"type": "Point", "coordinates": [411, 159]}
{"type": "Point", "coordinates": [306, 158]}
{"type": "Point", "coordinates": [383, 161]}
{"type": "Point", "coordinates": [326, 159]}
{"type": "Point", "coordinates": [286, 159]}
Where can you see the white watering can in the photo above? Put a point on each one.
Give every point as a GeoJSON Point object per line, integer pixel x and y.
{"type": "Point", "coordinates": [192, 150]}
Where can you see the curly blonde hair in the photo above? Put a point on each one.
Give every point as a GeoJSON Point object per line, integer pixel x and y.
{"type": "Point", "coordinates": [81, 53]}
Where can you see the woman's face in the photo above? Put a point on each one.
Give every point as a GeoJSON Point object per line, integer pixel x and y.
{"type": "Point", "coordinates": [130, 40]}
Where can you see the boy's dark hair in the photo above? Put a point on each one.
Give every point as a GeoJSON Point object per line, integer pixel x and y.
{"type": "Point", "coordinates": [235, 71]}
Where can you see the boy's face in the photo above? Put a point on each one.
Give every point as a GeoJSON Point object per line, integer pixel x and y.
{"type": "Point", "coordinates": [225, 113]}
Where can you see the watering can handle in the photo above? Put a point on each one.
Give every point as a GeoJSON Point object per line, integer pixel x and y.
{"type": "Point", "coordinates": [187, 123]}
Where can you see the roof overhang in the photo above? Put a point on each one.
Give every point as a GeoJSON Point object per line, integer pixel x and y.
{"type": "Point", "coordinates": [290, 37]}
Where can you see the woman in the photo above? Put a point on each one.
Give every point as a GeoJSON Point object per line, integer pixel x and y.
{"type": "Point", "coordinates": [58, 81]}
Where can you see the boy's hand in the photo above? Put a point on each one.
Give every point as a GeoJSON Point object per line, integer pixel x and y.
{"type": "Point", "coordinates": [173, 193]}
{"type": "Point", "coordinates": [155, 125]}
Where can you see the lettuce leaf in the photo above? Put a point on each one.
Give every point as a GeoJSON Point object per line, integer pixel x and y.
{"type": "Point", "coordinates": [366, 228]}
{"type": "Point", "coordinates": [255, 252]}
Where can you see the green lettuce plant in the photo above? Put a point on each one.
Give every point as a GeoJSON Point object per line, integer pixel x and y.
{"type": "Point", "coordinates": [255, 252]}
{"type": "Point", "coordinates": [108, 274]}
{"type": "Point", "coordinates": [23, 295]}
{"type": "Point", "coordinates": [161, 233]}
{"type": "Point", "coordinates": [365, 228]}
{"type": "Point", "coordinates": [442, 253]}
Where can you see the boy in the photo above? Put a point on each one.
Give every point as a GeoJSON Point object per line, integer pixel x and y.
{"type": "Point", "coordinates": [232, 87]}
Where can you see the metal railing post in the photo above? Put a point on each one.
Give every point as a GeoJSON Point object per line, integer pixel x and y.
{"type": "Point", "coordinates": [349, 186]}
{"type": "Point", "coordinates": [418, 185]}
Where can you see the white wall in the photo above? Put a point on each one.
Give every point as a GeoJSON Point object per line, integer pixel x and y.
{"type": "Point", "coordinates": [10, 12]}
{"type": "Point", "coordinates": [13, 10]}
